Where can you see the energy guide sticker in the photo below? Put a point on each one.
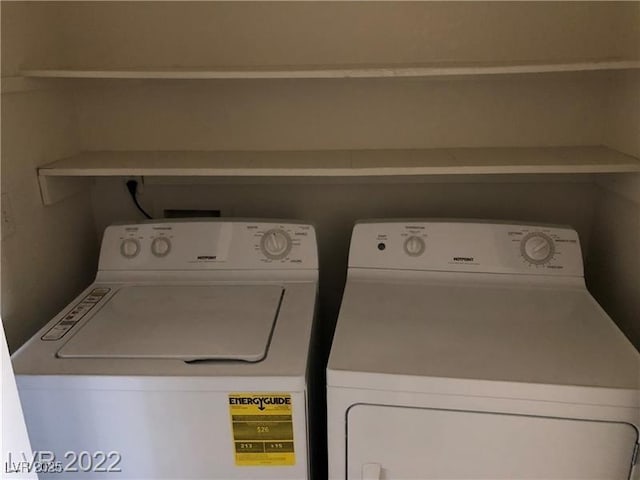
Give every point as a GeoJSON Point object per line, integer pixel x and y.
{"type": "Point", "coordinates": [262, 429]}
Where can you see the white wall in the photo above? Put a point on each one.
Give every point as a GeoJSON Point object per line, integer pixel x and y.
{"type": "Point", "coordinates": [614, 267]}
{"type": "Point", "coordinates": [48, 253]}
{"type": "Point", "coordinates": [555, 109]}
{"type": "Point", "coordinates": [30, 36]}
{"type": "Point", "coordinates": [205, 34]}
{"type": "Point", "coordinates": [622, 125]}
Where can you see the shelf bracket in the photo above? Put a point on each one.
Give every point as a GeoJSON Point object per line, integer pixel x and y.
{"type": "Point", "coordinates": [56, 188]}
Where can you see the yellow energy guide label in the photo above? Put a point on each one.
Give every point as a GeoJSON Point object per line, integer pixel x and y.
{"type": "Point", "coordinates": [262, 429]}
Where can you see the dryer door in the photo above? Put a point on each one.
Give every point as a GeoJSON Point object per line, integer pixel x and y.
{"type": "Point", "coordinates": [415, 443]}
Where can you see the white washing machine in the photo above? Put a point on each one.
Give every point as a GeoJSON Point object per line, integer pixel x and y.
{"type": "Point", "coordinates": [475, 351]}
{"type": "Point", "coordinates": [186, 358]}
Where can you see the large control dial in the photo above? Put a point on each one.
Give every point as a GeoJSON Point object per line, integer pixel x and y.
{"type": "Point", "coordinates": [130, 247]}
{"type": "Point", "coordinates": [161, 246]}
{"type": "Point", "coordinates": [414, 246]}
{"type": "Point", "coordinates": [275, 244]}
{"type": "Point", "coordinates": [537, 248]}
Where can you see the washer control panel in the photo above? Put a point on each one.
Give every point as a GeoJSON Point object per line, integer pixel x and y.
{"type": "Point", "coordinates": [78, 311]}
{"type": "Point", "coordinates": [466, 246]}
{"type": "Point", "coordinates": [208, 244]}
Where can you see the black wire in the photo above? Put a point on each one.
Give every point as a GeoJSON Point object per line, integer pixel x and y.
{"type": "Point", "coordinates": [132, 186]}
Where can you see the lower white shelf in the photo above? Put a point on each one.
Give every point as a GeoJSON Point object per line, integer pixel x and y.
{"type": "Point", "coordinates": [342, 71]}
{"type": "Point", "coordinates": [63, 177]}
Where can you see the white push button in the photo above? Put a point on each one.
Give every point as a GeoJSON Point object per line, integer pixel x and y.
{"type": "Point", "coordinates": [100, 291]}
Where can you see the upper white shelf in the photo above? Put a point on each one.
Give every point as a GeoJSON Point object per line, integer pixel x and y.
{"type": "Point", "coordinates": [63, 177]}
{"type": "Point", "coordinates": [437, 161]}
{"type": "Point", "coordinates": [339, 71]}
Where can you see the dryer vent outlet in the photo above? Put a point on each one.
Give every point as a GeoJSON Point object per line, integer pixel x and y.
{"type": "Point", "coordinates": [185, 213]}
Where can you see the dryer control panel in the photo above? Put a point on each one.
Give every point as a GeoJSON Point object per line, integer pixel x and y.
{"type": "Point", "coordinates": [209, 245]}
{"type": "Point", "coordinates": [466, 247]}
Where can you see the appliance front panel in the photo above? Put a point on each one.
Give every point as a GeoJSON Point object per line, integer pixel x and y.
{"type": "Point", "coordinates": [480, 247]}
{"type": "Point", "coordinates": [386, 442]}
{"type": "Point", "coordinates": [208, 245]}
{"type": "Point", "coordinates": [154, 434]}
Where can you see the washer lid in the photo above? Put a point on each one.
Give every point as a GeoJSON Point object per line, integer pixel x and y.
{"type": "Point", "coordinates": [220, 322]}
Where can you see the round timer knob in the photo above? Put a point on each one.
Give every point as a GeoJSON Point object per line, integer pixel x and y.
{"type": "Point", "coordinates": [130, 247]}
{"type": "Point", "coordinates": [275, 244]}
{"type": "Point", "coordinates": [161, 246]}
{"type": "Point", "coordinates": [537, 248]}
{"type": "Point", "coordinates": [414, 246]}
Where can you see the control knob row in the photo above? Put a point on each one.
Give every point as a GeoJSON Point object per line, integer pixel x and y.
{"type": "Point", "coordinates": [275, 244]}
{"type": "Point", "coordinates": [160, 247]}
{"type": "Point", "coordinates": [537, 248]}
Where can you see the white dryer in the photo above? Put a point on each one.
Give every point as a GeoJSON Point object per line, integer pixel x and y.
{"type": "Point", "coordinates": [186, 358]}
{"type": "Point", "coordinates": [475, 351]}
